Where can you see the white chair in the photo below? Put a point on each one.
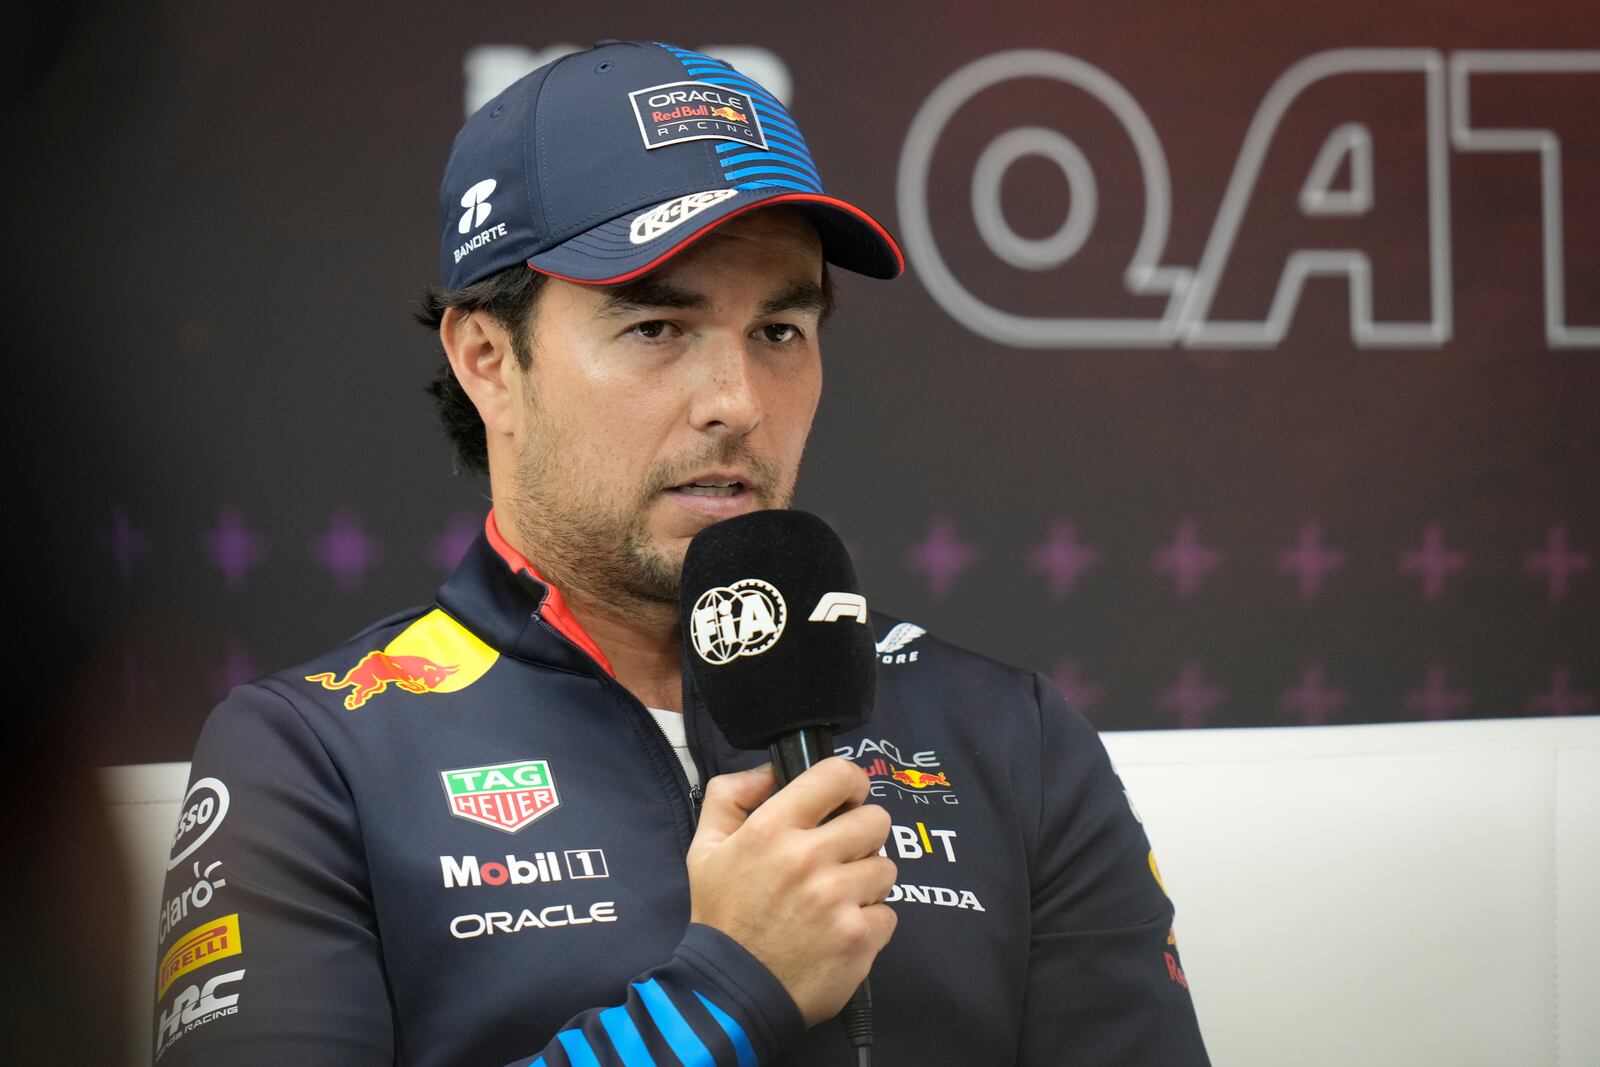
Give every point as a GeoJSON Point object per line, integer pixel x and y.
{"type": "Point", "coordinates": [143, 800]}
{"type": "Point", "coordinates": [1384, 896]}
{"type": "Point", "coordinates": [1408, 895]}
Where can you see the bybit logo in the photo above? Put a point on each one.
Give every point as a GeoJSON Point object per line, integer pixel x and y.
{"type": "Point", "coordinates": [476, 201]}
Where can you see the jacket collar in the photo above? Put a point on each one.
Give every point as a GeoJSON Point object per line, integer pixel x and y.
{"type": "Point", "coordinates": [498, 595]}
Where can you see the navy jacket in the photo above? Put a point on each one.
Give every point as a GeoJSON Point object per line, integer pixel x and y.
{"type": "Point", "coordinates": [458, 840]}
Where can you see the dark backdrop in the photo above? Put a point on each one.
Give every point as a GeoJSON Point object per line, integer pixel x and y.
{"type": "Point", "coordinates": [1195, 499]}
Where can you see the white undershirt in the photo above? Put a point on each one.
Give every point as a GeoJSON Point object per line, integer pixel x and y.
{"type": "Point", "coordinates": [672, 725]}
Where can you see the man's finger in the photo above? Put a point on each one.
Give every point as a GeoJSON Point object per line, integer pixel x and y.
{"type": "Point", "coordinates": [730, 798]}
{"type": "Point", "coordinates": [823, 789]}
{"type": "Point", "coordinates": [857, 833]}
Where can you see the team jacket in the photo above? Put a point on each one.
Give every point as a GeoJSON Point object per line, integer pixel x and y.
{"type": "Point", "coordinates": [458, 840]}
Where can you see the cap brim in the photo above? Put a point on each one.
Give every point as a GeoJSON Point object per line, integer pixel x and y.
{"type": "Point", "coordinates": [607, 254]}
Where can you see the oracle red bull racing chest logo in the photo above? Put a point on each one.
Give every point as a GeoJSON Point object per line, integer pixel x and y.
{"type": "Point", "coordinates": [917, 776]}
{"type": "Point", "coordinates": [506, 796]}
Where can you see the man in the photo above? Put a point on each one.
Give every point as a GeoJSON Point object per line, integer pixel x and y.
{"type": "Point", "coordinates": [476, 834]}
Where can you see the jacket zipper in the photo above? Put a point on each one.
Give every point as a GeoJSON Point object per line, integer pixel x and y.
{"type": "Point", "coordinates": [694, 793]}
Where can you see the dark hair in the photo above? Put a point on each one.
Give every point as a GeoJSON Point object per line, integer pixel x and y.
{"type": "Point", "coordinates": [508, 296]}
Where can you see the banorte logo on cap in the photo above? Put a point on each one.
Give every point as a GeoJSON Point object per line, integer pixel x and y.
{"type": "Point", "coordinates": [742, 619]}
{"type": "Point", "coordinates": [476, 201]}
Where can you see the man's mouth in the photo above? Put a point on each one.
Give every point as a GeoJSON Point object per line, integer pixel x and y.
{"type": "Point", "coordinates": [710, 488]}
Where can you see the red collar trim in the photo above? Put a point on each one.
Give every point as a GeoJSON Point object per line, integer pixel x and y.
{"type": "Point", "coordinates": [554, 610]}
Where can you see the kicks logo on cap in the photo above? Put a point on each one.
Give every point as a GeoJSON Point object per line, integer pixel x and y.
{"type": "Point", "coordinates": [695, 111]}
{"type": "Point", "coordinates": [663, 217]}
{"type": "Point", "coordinates": [476, 201]}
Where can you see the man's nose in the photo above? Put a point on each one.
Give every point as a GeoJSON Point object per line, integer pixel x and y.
{"type": "Point", "coordinates": [729, 397]}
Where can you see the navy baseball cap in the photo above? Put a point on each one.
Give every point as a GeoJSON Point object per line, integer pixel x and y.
{"type": "Point", "coordinates": [602, 165]}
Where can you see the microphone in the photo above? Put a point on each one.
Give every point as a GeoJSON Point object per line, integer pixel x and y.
{"type": "Point", "coordinates": [781, 650]}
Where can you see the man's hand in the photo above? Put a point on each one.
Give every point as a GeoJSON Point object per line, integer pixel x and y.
{"type": "Point", "coordinates": [802, 896]}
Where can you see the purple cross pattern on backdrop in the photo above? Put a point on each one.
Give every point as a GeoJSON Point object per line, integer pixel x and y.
{"type": "Point", "coordinates": [1187, 559]}
{"type": "Point", "coordinates": [1313, 699]}
{"type": "Point", "coordinates": [127, 543]}
{"type": "Point", "coordinates": [345, 550]}
{"type": "Point", "coordinates": [1435, 699]}
{"type": "Point", "coordinates": [1557, 562]}
{"type": "Point", "coordinates": [237, 669]}
{"type": "Point", "coordinates": [1433, 562]}
{"type": "Point", "coordinates": [1561, 699]}
{"type": "Point", "coordinates": [942, 557]}
{"type": "Point", "coordinates": [1309, 560]}
{"type": "Point", "coordinates": [1191, 699]}
{"type": "Point", "coordinates": [1080, 693]}
{"type": "Point", "coordinates": [348, 553]}
{"type": "Point", "coordinates": [233, 548]}
{"type": "Point", "coordinates": [447, 549]}
{"type": "Point", "coordinates": [1062, 558]}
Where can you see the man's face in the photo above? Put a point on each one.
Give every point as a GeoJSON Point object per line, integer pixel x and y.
{"type": "Point", "coordinates": [656, 408]}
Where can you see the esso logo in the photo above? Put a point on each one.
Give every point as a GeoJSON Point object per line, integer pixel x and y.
{"type": "Point", "coordinates": [202, 812]}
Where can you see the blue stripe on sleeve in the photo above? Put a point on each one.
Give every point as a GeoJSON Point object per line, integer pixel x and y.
{"type": "Point", "coordinates": [625, 1038]}
{"type": "Point", "coordinates": [735, 1032]}
{"type": "Point", "coordinates": [577, 1048]}
{"type": "Point", "coordinates": [685, 1043]}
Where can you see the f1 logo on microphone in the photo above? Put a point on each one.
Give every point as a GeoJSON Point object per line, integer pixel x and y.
{"type": "Point", "coordinates": [835, 606]}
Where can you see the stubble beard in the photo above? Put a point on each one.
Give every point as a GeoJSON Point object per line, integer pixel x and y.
{"type": "Point", "coordinates": [606, 556]}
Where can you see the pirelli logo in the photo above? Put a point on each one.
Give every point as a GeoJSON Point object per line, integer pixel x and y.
{"type": "Point", "coordinates": [200, 946]}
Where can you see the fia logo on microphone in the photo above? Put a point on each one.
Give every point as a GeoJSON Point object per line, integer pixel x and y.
{"type": "Point", "coordinates": [742, 619]}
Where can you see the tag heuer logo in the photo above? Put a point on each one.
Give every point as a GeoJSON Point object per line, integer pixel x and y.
{"type": "Point", "coordinates": [506, 796]}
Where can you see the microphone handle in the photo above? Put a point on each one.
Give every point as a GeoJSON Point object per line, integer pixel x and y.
{"type": "Point", "coordinates": [794, 752]}
{"type": "Point", "coordinates": [791, 755]}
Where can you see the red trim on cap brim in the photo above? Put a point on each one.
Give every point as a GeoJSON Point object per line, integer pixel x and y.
{"type": "Point", "coordinates": [811, 198]}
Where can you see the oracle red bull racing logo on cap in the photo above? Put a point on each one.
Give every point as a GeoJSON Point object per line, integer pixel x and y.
{"type": "Point", "coordinates": [506, 796]}
{"type": "Point", "coordinates": [435, 654]}
{"type": "Point", "coordinates": [695, 111]}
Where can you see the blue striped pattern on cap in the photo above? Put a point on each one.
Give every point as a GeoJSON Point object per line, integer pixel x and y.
{"type": "Point", "coordinates": [786, 163]}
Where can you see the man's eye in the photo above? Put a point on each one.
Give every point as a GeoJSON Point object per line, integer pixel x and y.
{"type": "Point", "coordinates": [652, 330]}
{"type": "Point", "coordinates": [780, 332]}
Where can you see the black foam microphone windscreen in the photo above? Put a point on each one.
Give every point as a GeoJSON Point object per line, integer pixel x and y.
{"type": "Point", "coordinates": [776, 627]}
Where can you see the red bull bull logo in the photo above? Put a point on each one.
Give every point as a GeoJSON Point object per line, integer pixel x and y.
{"type": "Point", "coordinates": [414, 674]}
{"type": "Point", "coordinates": [730, 114]}
{"type": "Point", "coordinates": [920, 779]}
{"type": "Point", "coordinates": [435, 654]}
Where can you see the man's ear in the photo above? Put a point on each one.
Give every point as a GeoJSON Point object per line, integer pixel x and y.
{"type": "Point", "coordinates": [481, 355]}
